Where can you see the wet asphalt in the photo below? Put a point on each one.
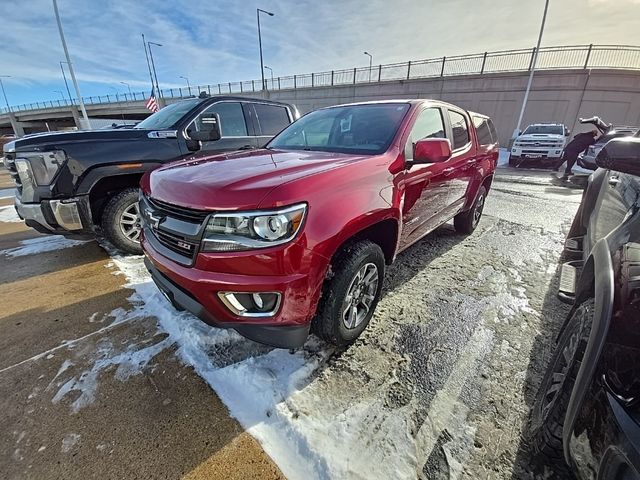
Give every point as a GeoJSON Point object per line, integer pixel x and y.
{"type": "Point", "coordinates": [455, 350]}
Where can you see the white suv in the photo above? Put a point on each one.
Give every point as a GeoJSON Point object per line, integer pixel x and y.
{"type": "Point", "coordinates": [540, 142]}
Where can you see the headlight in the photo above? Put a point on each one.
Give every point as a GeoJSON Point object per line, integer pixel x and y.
{"type": "Point", "coordinates": [234, 231]}
{"type": "Point", "coordinates": [44, 166]}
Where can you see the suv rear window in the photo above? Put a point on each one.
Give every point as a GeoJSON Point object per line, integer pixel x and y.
{"type": "Point", "coordinates": [272, 119]}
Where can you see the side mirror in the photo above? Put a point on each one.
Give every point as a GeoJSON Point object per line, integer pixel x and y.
{"type": "Point", "coordinates": [210, 129]}
{"type": "Point", "coordinates": [567, 132]}
{"type": "Point", "coordinates": [431, 150]}
{"type": "Point", "coordinates": [621, 155]}
{"type": "Point", "coordinates": [519, 132]}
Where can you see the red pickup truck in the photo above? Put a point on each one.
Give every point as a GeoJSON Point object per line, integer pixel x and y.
{"type": "Point", "coordinates": [296, 235]}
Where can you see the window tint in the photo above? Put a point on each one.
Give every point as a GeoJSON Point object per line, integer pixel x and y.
{"type": "Point", "coordinates": [362, 129]}
{"type": "Point", "coordinates": [482, 127]}
{"type": "Point", "coordinates": [271, 119]}
{"type": "Point", "coordinates": [494, 132]}
{"type": "Point", "coordinates": [429, 124]}
{"type": "Point", "coordinates": [460, 129]}
{"type": "Point", "coordinates": [231, 119]}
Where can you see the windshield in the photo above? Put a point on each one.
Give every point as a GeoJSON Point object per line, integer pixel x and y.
{"type": "Point", "coordinates": [545, 129]}
{"type": "Point", "coordinates": [359, 129]}
{"type": "Point", "coordinates": [168, 116]}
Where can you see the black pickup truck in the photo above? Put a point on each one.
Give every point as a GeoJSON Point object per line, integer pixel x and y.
{"type": "Point", "coordinates": [78, 183]}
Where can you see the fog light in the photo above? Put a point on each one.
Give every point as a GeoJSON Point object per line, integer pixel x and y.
{"type": "Point", "coordinates": [246, 304]}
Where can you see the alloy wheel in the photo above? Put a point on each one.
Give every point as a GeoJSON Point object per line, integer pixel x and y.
{"type": "Point", "coordinates": [130, 222]}
{"type": "Point", "coordinates": [360, 296]}
{"type": "Point", "coordinates": [477, 211]}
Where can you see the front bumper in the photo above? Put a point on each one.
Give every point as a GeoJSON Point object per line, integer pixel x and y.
{"type": "Point", "coordinates": [196, 290]}
{"type": "Point", "coordinates": [64, 217]}
{"type": "Point", "coordinates": [533, 153]}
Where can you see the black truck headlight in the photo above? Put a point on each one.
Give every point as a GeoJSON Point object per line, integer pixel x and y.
{"type": "Point", "coordinates": [235, 231]}
{"type": "Point", "coordinates": [43, 165]}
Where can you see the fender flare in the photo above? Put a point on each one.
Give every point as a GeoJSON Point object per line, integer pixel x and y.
{"type": "Point", "coordinates": [93, 176]}
{"type": "Point", "coordinates": [603, 277]}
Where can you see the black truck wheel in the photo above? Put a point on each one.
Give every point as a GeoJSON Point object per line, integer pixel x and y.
{"type": "Point", "coordinates": [121, 221]}
{"type": "Point", "coordinates": [466, 222]}
{"type": "Point", "coordinates": [351, 295]}
{"type": "Point", "coordinates": [550, 405]}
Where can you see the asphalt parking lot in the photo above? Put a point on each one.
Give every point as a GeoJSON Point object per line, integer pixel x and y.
{"type": "Point", "coordinates": [103, 379]}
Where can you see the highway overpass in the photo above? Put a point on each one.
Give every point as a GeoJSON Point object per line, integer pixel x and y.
{"type": "Point", "coordinates": [569, 82]}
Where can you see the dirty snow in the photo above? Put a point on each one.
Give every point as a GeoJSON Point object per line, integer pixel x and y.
{"type": "Point", "coordinates": [69, 441]}
{"type": "Point", "coordinates": [41, 244]}
{"type": "Point", "coordinates": [8, 214]}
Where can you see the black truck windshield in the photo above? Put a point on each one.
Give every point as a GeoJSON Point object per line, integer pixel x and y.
{"type": "Point", "coordinates": [358, 129]}
{"type": "Point", "coordinates": [168, 116]}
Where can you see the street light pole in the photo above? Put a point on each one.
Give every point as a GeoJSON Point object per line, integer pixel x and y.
{"type": "Point", "coordinates": [5, 93]}
{"type": "Point", "coordinates": [516, 132]}
{"type": "Point", "coordinates": [258, 10]}
{"type": "Point", "coordinates": [128, 87]}
{"type": "Point", "coordinates": [153, 66]}
{"type": "Point", "coordinates": [146, 54]}
{"type": "Point", "coordinates": [271, 70]}
{"type": "Point", "coordinates": [65, 82]}
{"type": "Point", "coordinates": [370, 63]}
{"type": "Point", "coordinates": [188, 84]}
{"type": "Point", "coordinates": [73, 75]}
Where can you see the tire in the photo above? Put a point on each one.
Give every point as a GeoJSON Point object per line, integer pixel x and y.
{"type": "Point", "coordinates": [466, 222]}
{"type": "Point", "coordinates": [513, 161]}
{"type": "Point", "coordinates": [546, 422]}
{"type": "Point", "coordinates": [121, 221]}
{"type": "Point", "coordinates": [351, 268]}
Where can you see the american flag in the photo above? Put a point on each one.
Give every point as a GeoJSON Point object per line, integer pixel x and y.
{"type": "Point", "coordinates": [151, 103]}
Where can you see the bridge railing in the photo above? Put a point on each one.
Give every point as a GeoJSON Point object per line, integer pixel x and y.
{"type": "Point", "coordinates": [549, 58]}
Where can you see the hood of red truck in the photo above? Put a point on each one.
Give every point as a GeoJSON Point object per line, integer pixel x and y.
{"type": "Point", "coordinates": [238, 180]}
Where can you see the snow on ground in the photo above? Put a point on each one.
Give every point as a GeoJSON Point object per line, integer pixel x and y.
{"type": "Point", "coordinates": [8, 214]}
{"type": "Point", "coordinates": [503, 158]}
{"type": "Point", "coordinates": [41, 244]}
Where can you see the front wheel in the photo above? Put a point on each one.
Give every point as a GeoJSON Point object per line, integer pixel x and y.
{"type": "Point", "coordinates": [121, 221]}
{"type": "Point", "coordinates": [351, 295]}
{"type": "Point", "coordinates": [466, 222]}
{"type": "Point", "coordinates": [550, 405]}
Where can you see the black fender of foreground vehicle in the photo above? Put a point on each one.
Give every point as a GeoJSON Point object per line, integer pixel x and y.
{"type": "Point", "coordinates": [80, 183]}
{"type": "Point", "coordinates": [586, 417]}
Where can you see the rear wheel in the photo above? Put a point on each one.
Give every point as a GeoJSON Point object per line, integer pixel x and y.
{"type": "Point", "coordinates": [351, 295]}
{"type": "Point", "coordinates": [466, 222]}
{"type": "Point", "coordinates": [121, 221]}
{"type": "Point", "coordinates": [551, 402]}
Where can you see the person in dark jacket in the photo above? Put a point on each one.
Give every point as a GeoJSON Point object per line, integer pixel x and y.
{"type": "Point", "coordinates": [579, 144]}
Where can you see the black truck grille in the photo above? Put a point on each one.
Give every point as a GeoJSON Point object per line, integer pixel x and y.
{"type": "Point", "coordinates": [175, 211]}
{"type": "Point", "coordinates": [10, 162]}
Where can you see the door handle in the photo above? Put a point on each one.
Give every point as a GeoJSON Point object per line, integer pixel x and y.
{"type": "Point", "coordinates": [614, 181]}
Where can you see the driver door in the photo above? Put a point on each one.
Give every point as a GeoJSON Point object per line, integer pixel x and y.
{"type": "Point", "coordinates": [234, 128]}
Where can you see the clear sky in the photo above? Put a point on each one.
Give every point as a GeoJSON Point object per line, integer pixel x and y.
{"type": "Point", "coordinates": [213, 41]}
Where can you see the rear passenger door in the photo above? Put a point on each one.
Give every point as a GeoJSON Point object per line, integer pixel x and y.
{"type": "Point", "coordinates": [234, 128]}
{"type": "Point", "coordinates": [269, 120]}
{"type": "Point", "coordinates": [462, 164]}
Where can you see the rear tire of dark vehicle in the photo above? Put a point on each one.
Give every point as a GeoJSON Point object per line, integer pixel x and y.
{"type": "Point", "coordinates": [349, 298]}
{"type": "Point", "coordinates": [121, 221]}
{"type": "Point", "coordinates": [466, 222]}
{"type": "Point", "coordinates": [550, 405]}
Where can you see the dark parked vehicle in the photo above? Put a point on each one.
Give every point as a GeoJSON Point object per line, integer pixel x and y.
{"type": "Point", "coordinates": [586, 416]}
{"type": "Point", "coordinates": [273, 241]}
{"type": "Point", "coordinates": [587, 159]}
{"type": "Point", "coordinates": [73, 183]}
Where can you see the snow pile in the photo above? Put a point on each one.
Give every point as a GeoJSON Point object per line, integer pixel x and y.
{"type": "Point", "coordinates": [8, 214]}
{"type": "Point", "coordinates": [42, 244]}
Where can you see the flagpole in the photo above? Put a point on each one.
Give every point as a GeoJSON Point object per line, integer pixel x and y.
{"type": "Point", "coordinates": [146, 53]}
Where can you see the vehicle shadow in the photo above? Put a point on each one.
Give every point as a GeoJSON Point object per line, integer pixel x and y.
{"type": "Point", "coordinates": [553, 314]}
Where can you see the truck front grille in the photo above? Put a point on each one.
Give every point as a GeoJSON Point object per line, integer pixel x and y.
{"type": "Point", "coordinates": [176, 211]}
{"type": "Point", "coordinates": [176, 244]}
